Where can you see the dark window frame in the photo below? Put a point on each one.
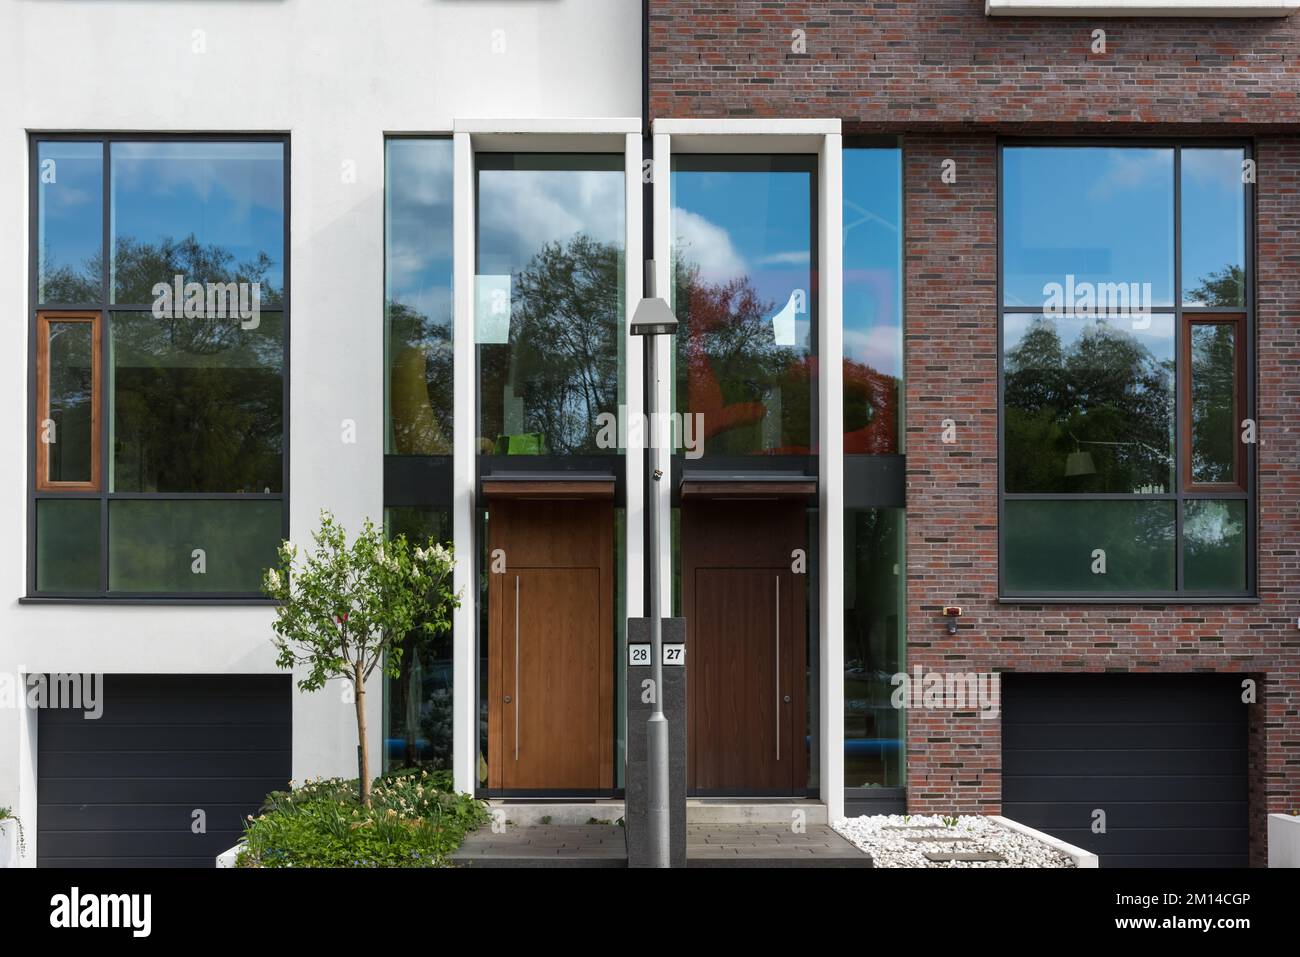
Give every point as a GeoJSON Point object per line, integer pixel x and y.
{"type": "Point", "coordinates": [1183, 315]}
{"type": "Point", "coordinates": [105, 308]}
{"type": "Point", "coordinates": [758, 462]}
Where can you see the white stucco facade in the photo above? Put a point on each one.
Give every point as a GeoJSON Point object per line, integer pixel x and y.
{"type": "Point", "coordinates": [335, 76]}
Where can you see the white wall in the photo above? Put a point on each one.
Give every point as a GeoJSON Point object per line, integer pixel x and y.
{"type": "Point", "coordinates": [336, 75]}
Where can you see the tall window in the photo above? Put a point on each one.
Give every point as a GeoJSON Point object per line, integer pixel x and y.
{"type": "Point", "coordinates": [418, 423]}
{"type": "Point", "coordinates": [417, 299]}
{"type": "Point", "coordinates": [743, 288]}
{"type": "Point", "coordinates": [159, 335]}
{"type": "Point", "coordinates": [875, 529]}
{"type": "Point", "coordinates": [549, 302]}
{"type": "Point", "coordinates": [1126, 318]}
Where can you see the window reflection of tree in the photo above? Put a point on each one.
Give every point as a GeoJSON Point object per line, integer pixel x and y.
{"type": "Point", "coordinates": [197, 403]}
{"type": "Point", "coordinates": [561, 364]}
{"type": "Point", "coordinates": [1214, 402]}
{"type": "Point", "coordinates": [753, 395]}
{"type": "Point", "coordinates": [420, 382]}
{"type": "Point", "coordinates": [1104, 393]}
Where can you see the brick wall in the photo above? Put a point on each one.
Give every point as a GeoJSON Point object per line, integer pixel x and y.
{"type": "Point", "coordinates": [943, 63]}
{"type": "Point", "coordinates": [950, 80]}
{"type": "Point", "coordinates": [953, 758]}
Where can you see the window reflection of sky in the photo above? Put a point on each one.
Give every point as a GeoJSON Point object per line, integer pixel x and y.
{"type": "Point", "coordinates": [873, 259]}
{"type": "Point", "coordinates": [1101, 214]}
{"type": "Point", "coordinates": [70, 206]}
{"type": "Point", "coordinates": [739, 224]}
{"type": "Point", "coordinates": [227, 194]}
{"type": "Point", "coordinates": [419, 225]}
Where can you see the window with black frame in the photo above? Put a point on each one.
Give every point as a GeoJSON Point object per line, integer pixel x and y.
{"type": "Point", "coordinates": [1126, 318]}
{"type": "Point", "coordinates": [418, 423]}
{"type": "Point", "coordinates": [159, 365]}
{"type": "Point", "coordinates": [875, 525]}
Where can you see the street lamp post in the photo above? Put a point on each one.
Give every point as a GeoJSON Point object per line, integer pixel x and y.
{"type": "Point", "coordinates": [654, 318]}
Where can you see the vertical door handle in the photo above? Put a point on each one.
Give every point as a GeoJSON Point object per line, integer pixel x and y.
{"type": "Point", "coordinates": [778, 667]}
{"type": "Point", "coordinates": [516, 667]}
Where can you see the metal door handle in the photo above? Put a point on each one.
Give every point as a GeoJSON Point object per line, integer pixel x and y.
{"type": "Point", "coordinates": [778, 667]}
{"type": "Point", "coordinates": [516, 668]}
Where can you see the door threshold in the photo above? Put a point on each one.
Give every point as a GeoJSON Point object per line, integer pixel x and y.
{"type": "Point", "coordinates": [558, 812]}
{"type": "Point", "coordinates": [755, 811]}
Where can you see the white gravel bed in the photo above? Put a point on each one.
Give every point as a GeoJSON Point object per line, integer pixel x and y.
{"type": "Point", "coordinates": [891, 849]}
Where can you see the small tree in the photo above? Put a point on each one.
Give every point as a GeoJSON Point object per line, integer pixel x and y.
{"type": "Point", "coordinates": [345, 610]}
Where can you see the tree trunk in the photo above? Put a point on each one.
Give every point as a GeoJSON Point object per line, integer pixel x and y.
{"type": "Point", "coordinates": [359, 686]}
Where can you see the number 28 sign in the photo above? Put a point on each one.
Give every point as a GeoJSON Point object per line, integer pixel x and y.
{"type": "Point", "coordinates": [639, 654]}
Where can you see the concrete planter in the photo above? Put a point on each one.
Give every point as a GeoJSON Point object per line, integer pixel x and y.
{"type": "Point", "coordinates": [9, 856]}
{"type": "Point", "coordinates": [227, 858]}
{"type": "Point", "coordinates": [1080, 857]}
{"type": "Point", "coordinates": [1283, 840]}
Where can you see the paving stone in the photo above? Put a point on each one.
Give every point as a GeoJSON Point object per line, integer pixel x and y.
{"type": "Point", "coordinates": [943, 857]}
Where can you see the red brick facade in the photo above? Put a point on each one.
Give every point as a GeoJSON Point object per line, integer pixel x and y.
{"type": "Point", "coordinates": [950, 81]}
{"type": "Point", "coordinates": [925, 64]}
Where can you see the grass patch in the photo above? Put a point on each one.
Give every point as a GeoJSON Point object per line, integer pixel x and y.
{"type": "Point", "coordinates": [417, 820]}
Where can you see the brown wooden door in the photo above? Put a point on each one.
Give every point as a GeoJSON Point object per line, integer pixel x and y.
{"type": "Point", "coordinates": [550, 655]}
{"type": "Point", "coordinates": [746, 619]}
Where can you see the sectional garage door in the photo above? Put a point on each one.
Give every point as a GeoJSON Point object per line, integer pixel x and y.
{"type": "Point", "coordinates": [1164, 756]}
{"type": "Point", "coordinates": [122, 790]}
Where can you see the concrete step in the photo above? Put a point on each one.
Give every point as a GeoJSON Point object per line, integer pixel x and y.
{"type": "Point", "coordinates": [558, 813]}
{"type": "Point", "coordinates": [740, 811]}
{"type": "Point", "coordinates": [698, 811]}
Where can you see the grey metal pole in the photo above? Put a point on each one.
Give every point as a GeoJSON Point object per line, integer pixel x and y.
{"type": "Point", "coordinates": [657, 724]}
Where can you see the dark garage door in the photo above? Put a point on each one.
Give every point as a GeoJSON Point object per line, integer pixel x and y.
{"type": "Point", "coordinates": [1164, 756]}
{"type": "Point", "coordinates": [121, 791]}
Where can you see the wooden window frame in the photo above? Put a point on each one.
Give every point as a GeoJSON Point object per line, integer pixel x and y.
{"type": "Point", "coordinates": [43, 321]}
{"type": "Point", "coordinates": [1238, 322]}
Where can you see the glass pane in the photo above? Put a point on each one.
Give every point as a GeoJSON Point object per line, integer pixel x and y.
{"type": "Point", "coordinates": [196, 405]}
{"type": "Point", "coordinates": [418, 712]}
{"type": "Point", "coordinates": [1088, 546]}
{"type": "Point", "coordinates": [1088, 404]}
{"type": "Point", "coordinates": [70, 449]}
{"type": "Point", "coordinates": [742, 240]}
{"type": "Point", "coordinates": [1214, 403]}
{"type": "Point", "coordinates": [207, 212]}
{"type": "Point", "coordinates": [417, 301]}
{"type": "Point", "coordinates": [70, 217]}
{"type": "Point", "coordinates": [873, 300]}
{"type": "Point", "coordinates": [550, 302]}
{"type": "Point", "coordinates": [1093, 219]}
{"type": "Point", "coordinates": [875, 636]}
{"type": "Point", "coordinates": [191, 546]}
{"type": "Point", "coordinates": [1214, 227]}
{"type": "Point", "coordinates": [1214, 545]}
{"type": "Point", "coordinates": [67, 545]}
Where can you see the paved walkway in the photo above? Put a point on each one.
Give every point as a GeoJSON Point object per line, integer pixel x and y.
{"type": "Point", "coordinates": [707, 845]}
{"type": "Point", "coordinates": [769, 845]}
{"type": "Point", "coordinates": [544, 845]}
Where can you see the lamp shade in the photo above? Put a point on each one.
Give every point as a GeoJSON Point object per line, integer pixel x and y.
{"type": "Point", "coordinates": [1079, 463]}
{"type": "Point", "coordinates": [653, 318]}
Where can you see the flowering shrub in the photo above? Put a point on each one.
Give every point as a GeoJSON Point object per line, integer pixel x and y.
{"type": "Point", "coordinates": [346, 610]}
{"type": "Point", "coordinates": [415, 820]}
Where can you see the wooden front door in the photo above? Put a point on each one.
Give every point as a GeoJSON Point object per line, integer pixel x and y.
{"type": "Point", "coordinates": [550, 651]}
{"type": "Point", "coordinates": [745, 607]}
